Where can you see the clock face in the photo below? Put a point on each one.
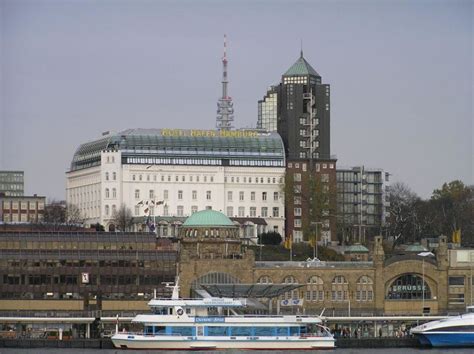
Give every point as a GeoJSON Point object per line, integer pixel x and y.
{"type": "Point", "coordinates": [85, 278]}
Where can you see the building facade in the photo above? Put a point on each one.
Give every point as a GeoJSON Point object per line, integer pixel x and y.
{"type": "Point", "coordinates": [12, 183]}
{"type": "Point", "coordinates": [298, 108]}
{"type": "Point", "coordinates": [174, 173]}
{"type": "Point", "coordinates": [22, 209]}
{"type": "Point", "coordinates": [362, 203]}
{"type": "Point", "coordinates": [76, 271]}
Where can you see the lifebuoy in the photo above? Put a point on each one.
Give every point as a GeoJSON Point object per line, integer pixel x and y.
{"type": "Point", "coordinates": [180, 312]}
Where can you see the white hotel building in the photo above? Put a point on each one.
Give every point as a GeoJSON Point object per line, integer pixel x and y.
{"type": "Point", "coordinates": [240, 173]}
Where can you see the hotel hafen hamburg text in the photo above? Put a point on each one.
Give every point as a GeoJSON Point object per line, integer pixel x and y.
{"type": "Point", "coordinates": [169, 174]}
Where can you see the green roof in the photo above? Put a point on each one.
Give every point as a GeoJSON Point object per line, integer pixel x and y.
{"type": "Point", "coordinates": [208, 218]}
{"type": "Point", "coordinates": [301, 67]}
{"type": "Point", "coordinates": [356, 249]}
{"type": "Point", "coordinates": [416, 247]}
{"type": "Point", "coordinates": [179, 144]}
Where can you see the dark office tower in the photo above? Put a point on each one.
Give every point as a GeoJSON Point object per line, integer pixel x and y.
{"type": "Point", "coordinates": [304, 120]}
{"type": "Point", "coordinates": [299, 109]}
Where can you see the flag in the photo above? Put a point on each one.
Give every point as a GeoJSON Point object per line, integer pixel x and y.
{"type": "Point", "coordinates": [289, 242]}
{"type": "Point", "coordinates": [312, 241]}
{"type": "Point", "coordinates": [456, 236]}
{"type": "Point", "coordinates": [151, 226]}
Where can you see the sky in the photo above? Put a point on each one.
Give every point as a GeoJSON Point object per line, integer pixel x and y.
{"type": "Point", "coordinates": [400, 75]}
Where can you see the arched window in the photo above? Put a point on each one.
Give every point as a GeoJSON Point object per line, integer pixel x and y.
{"type": "Point", "coordinates": [293, 294]}
{"type": "Point", "coordinates": [114, 209]}
{"type": "Point", "coordinates": [315, 289]}
{"type": "Point", "coordinates": [114, 193]}
{"type": "Point", "coordinates": [364, 289]}
{"type": "Point", "coordinates": [107, 193]}
{"type": "Point", "coordinates": [107, 211]}
{"type": "Point", "coordinates": [339, 289]}
{"type": "Point", "coordinates": [214, 278]}
{"type": "Point", "coordinates": [265, 279]}
{"type": "Point", "coordinates": [408, 286]}
{"type": "Point", "coordinates": [114, 176]}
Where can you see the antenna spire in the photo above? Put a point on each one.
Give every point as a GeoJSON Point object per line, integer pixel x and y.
{"type": "Point", "coordinates": [225, 107]}
{"type": "Point", "coordinates": [301, 43]}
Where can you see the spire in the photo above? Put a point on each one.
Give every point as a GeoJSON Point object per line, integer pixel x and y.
{"type": "Point", "coordinates": [225, 107]}
{"type": "Point", "coordinates": [301, 52]}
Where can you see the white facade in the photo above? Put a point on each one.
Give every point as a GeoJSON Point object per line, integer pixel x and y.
{"type": "Point", "coordinates": [237, 191]}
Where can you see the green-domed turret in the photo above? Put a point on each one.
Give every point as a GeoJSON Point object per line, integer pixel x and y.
{"type": "Point", "coordinates": [208, 218]}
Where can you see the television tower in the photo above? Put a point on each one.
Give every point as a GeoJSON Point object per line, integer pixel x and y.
{"type": "Point", "coordinates": [225, 106]}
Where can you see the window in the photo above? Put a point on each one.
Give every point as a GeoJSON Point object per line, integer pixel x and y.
{"type": "Point", "coordinates": [176, 178]}
{"type": "Point", "coordinates": [194, 209]}
{"type": "Point", "coordinates": [325, 177]}
{"type": "Point", "coordinates": [264, 196]}
{"type": "Point", "coordinates": [276, 196]}
{"type": "Point", "coordinates": [107, 193]}
{"type": "Point", "coordinates": [339, 288]}
{"type": "Point", "coordinates": [180, 210]}
{"type": "Point", "coordinates": [241, 211]}
{"type": "Point", "coordinates": [276, 212]}
{"type": "Point", "coordinates": [166, 211]}
{"type": "Point", "coordinates": [114, 176]}
{"type": "Point", "coordinates": [315, 289]}
{"type": "Point", "coordinates": [183, 178]}
{"type": "Point", "coordinates": [253, 212]}
{"type": "Point", "coordinates": [139, 177]}
{"type": "Point", "coordinates": [297, 223]}
{"type": "Point", "coordinates": [165, 194]}
{"type": "Point", "coordinates": [241, 196]}
{"type": "Point", "coordinates": [364, 290]}
{"type": "Point", "coordinates": [297, 211]}
{"type": "Point", "coordinates": [114, 193]}
{"type": "Point", "coordinates": [194, 195]}
{"type": "Point", "coordinates": [297, 177]}
{"type": "Point", "coordinates": [137, 210]}
{"type": "Point", "coordinates": [229, 196]}
{"type": "Point", "coordinates": [133, 177]}
{"type": "Point", "coordinates": [297, 200]}
{"type": "Point", "coordinates": [208, 195]}
{"type": "Point", "coordinates": [297, 188]}
{"type": "Point", "coordinates": [151, 194]}
{"type": "Point", "coordinates": [264, 212]}
{"type": "Point", "coordinates": [106, 176]}
{"type": "Point", "coordinates": [137, 194]}
{"type": "Point", "coordinates": [107, 212]}
{"type": "Point", "coordinates": [180, 195]}
{"type": "Point", "coordinates": [230, 211]}
{"type": "Point", "coordinates": [252, 196]}
{"type": "Point", "coordinates": [114, 209]}
{"type": "Point", "coordinates": [409, 286]}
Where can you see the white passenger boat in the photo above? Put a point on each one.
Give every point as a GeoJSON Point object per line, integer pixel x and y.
{"type": "Point", "coordinates": [214, 323]}
{"type": "Point", "coordinates": [455, 331]}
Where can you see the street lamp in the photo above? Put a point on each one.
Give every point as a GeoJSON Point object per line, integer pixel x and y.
{"type": "Point", "coordinates": [424, 254]}
{"type": "Point", "coordinates": [315, 246]}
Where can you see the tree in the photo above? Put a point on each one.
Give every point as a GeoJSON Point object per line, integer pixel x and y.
{"type": "Point", "coordinates": [269, 238]}
{"type": "Point", "coordinates": [403, 214]}
{"type": "Point", "coordinates": [74, 215]}
{"type": "Point", "coordinates": [55, 212]}
{"type": "Point", "coordinates": [454, 209]}
{"type": "Point", "coordinates": [122, 218]}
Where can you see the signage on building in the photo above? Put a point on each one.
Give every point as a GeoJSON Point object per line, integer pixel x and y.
{"type": "Point", "coordinates": [209, 133]}
{"type": "Point", "coordinates": [292, 302]}
{"type": "Point", "coordinates": [405, 288]}
{"type": "Point", "coordinates": [85, 278]}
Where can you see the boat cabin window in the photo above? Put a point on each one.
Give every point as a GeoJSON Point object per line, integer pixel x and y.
{"type": "Point", "coordinates": [155, 330]}
{"type": "Point", "coordinates": [183, 331]}
{"type": "Point", "coordinates": [470, 309]}
{"type": "Point", "coordinates": [160, 310]}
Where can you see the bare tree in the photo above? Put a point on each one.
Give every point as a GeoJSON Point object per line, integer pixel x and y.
{"type": "Point", "coordinates": [74, 215]}
{"type": "Point", "coordinates": [403, 213]}
{"type": "Point", "coordinates": [122, 218]}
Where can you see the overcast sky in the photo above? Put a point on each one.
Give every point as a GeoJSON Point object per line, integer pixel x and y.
{"type": "Point", "coordinates": [400, 75]}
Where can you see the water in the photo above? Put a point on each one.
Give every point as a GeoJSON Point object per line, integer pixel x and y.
{"type": "Point", "coordinates": [333, 351]}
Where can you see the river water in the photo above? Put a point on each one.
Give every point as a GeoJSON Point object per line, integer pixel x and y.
{"type": "Point", "coordinates": [334, 351]}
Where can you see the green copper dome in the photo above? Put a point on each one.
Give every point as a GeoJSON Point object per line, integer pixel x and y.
{"type": "Point", "coordinates": [206, 218]}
